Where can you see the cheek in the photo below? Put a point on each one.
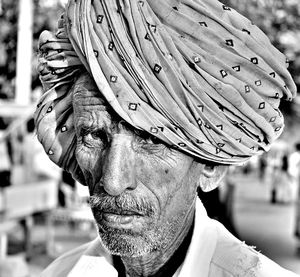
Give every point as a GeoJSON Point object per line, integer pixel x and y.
{"type": "Point", "coordinates": [86, 159]}
{"type": "Point", "coordinates": [163, 179]}
{"type": "Point", "coordinates": [154, 173]}
{"type": "Point", "coordinates": [89, 162]}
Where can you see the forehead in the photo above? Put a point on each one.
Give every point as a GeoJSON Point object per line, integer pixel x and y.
{"type": "Point", "coordinates": [87, 99]}
{"type": "Point", "coordinates": [86, 93]}
{"type": "Point", "coordinates": [88, 103]}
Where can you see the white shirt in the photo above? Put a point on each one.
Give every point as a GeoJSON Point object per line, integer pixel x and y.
{"type": "Point", "coordinates": [213, 252]}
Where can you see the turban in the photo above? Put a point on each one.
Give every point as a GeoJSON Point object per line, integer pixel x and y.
{"type": "Point", "coordinates": [194, 73]}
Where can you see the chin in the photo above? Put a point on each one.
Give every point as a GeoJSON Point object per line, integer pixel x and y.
{"type": "Point", "coordinates": [127, 244]}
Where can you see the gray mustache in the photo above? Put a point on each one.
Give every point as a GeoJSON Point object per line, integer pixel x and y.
{"type": "Point", "coordinates": [121, 203]}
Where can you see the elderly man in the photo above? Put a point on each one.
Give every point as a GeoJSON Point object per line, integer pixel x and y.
{"type": "Point", "coordinates": [145, 102]}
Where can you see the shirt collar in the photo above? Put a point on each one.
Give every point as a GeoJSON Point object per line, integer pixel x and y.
{"type": "Point", "coordinates": [202, 247]}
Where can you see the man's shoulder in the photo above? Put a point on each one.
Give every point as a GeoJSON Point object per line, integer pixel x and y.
{"type": "Point", "coordinates": [61, 266]}
{"type": "Point", "coordinates": [232, 255]}
{"type": "Point", "coordinates": [236, 258]}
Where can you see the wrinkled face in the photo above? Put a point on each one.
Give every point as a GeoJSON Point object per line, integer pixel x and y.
{"type": "Point", "coordinates": [142, 192]}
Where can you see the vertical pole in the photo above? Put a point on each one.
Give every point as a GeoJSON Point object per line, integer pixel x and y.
{"type": "Point", "coordinates": [3, 246]}
{"type": "Point", "coordinates": [24, 53]}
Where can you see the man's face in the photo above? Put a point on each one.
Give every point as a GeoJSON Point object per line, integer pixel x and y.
{"type": "Point", "coordinates": [142, 192]}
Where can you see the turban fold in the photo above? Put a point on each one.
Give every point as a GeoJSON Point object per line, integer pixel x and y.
{"type": "Point", "coordinates": [194, 73]}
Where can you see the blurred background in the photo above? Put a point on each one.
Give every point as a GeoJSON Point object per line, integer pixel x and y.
{"type": "Point", "coordinates": [44, 212]}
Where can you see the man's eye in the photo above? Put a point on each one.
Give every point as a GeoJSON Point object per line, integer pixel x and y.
{"type": "Point", "coordinates": [155, 140]}
{"type": "Point", "coordinates": [95, 138]}
{"type": "Point", "coordinates": [99, 135]}
{"type": "Point", "coordinates": [147, 138]}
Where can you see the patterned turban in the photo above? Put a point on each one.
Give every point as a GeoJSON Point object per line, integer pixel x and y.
{"type": "Point", "coordinates": [194, 73]}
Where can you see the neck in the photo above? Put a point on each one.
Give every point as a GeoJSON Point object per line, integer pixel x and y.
{"type": "Point", "coordinates": [160, 263]}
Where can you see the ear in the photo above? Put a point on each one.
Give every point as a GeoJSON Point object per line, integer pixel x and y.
{"type": "Point", "coordinates": [211, 176]}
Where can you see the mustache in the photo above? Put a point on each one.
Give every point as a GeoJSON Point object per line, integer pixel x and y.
{"type": "Point", "coordinates": [120, 204]}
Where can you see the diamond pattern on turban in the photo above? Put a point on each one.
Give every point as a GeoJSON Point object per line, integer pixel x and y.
{"type": "Point", "coordinates": [194, 73]}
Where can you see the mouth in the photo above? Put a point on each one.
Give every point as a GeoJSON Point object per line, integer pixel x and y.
{"type": "Point", "coordinates": [115, 218]}
{"type": "Point", "coordinates": [122, 212]}
{"type": "Point", "coordinates": [124, 218]}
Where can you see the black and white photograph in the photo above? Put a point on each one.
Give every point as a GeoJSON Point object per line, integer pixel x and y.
{"type": "Point", "coordinates": [149, 138]}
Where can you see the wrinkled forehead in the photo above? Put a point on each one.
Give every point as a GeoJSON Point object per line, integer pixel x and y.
{"type": "Point", "coordinates": [91, 110]}
{"type": "Point", "coordinates": [87, 96]}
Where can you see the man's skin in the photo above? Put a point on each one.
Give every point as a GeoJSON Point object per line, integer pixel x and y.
{"type": "Point", "coordinates": [143, 193]}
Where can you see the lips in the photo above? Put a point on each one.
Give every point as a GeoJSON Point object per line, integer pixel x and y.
{"type": "Point", "coordinates": [121, 212]}
{"type": "Point", "coordinates": [118, 217]}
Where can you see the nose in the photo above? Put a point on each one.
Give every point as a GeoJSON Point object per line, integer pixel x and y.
{"type": "Point", "coordinates": [119, 166]}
